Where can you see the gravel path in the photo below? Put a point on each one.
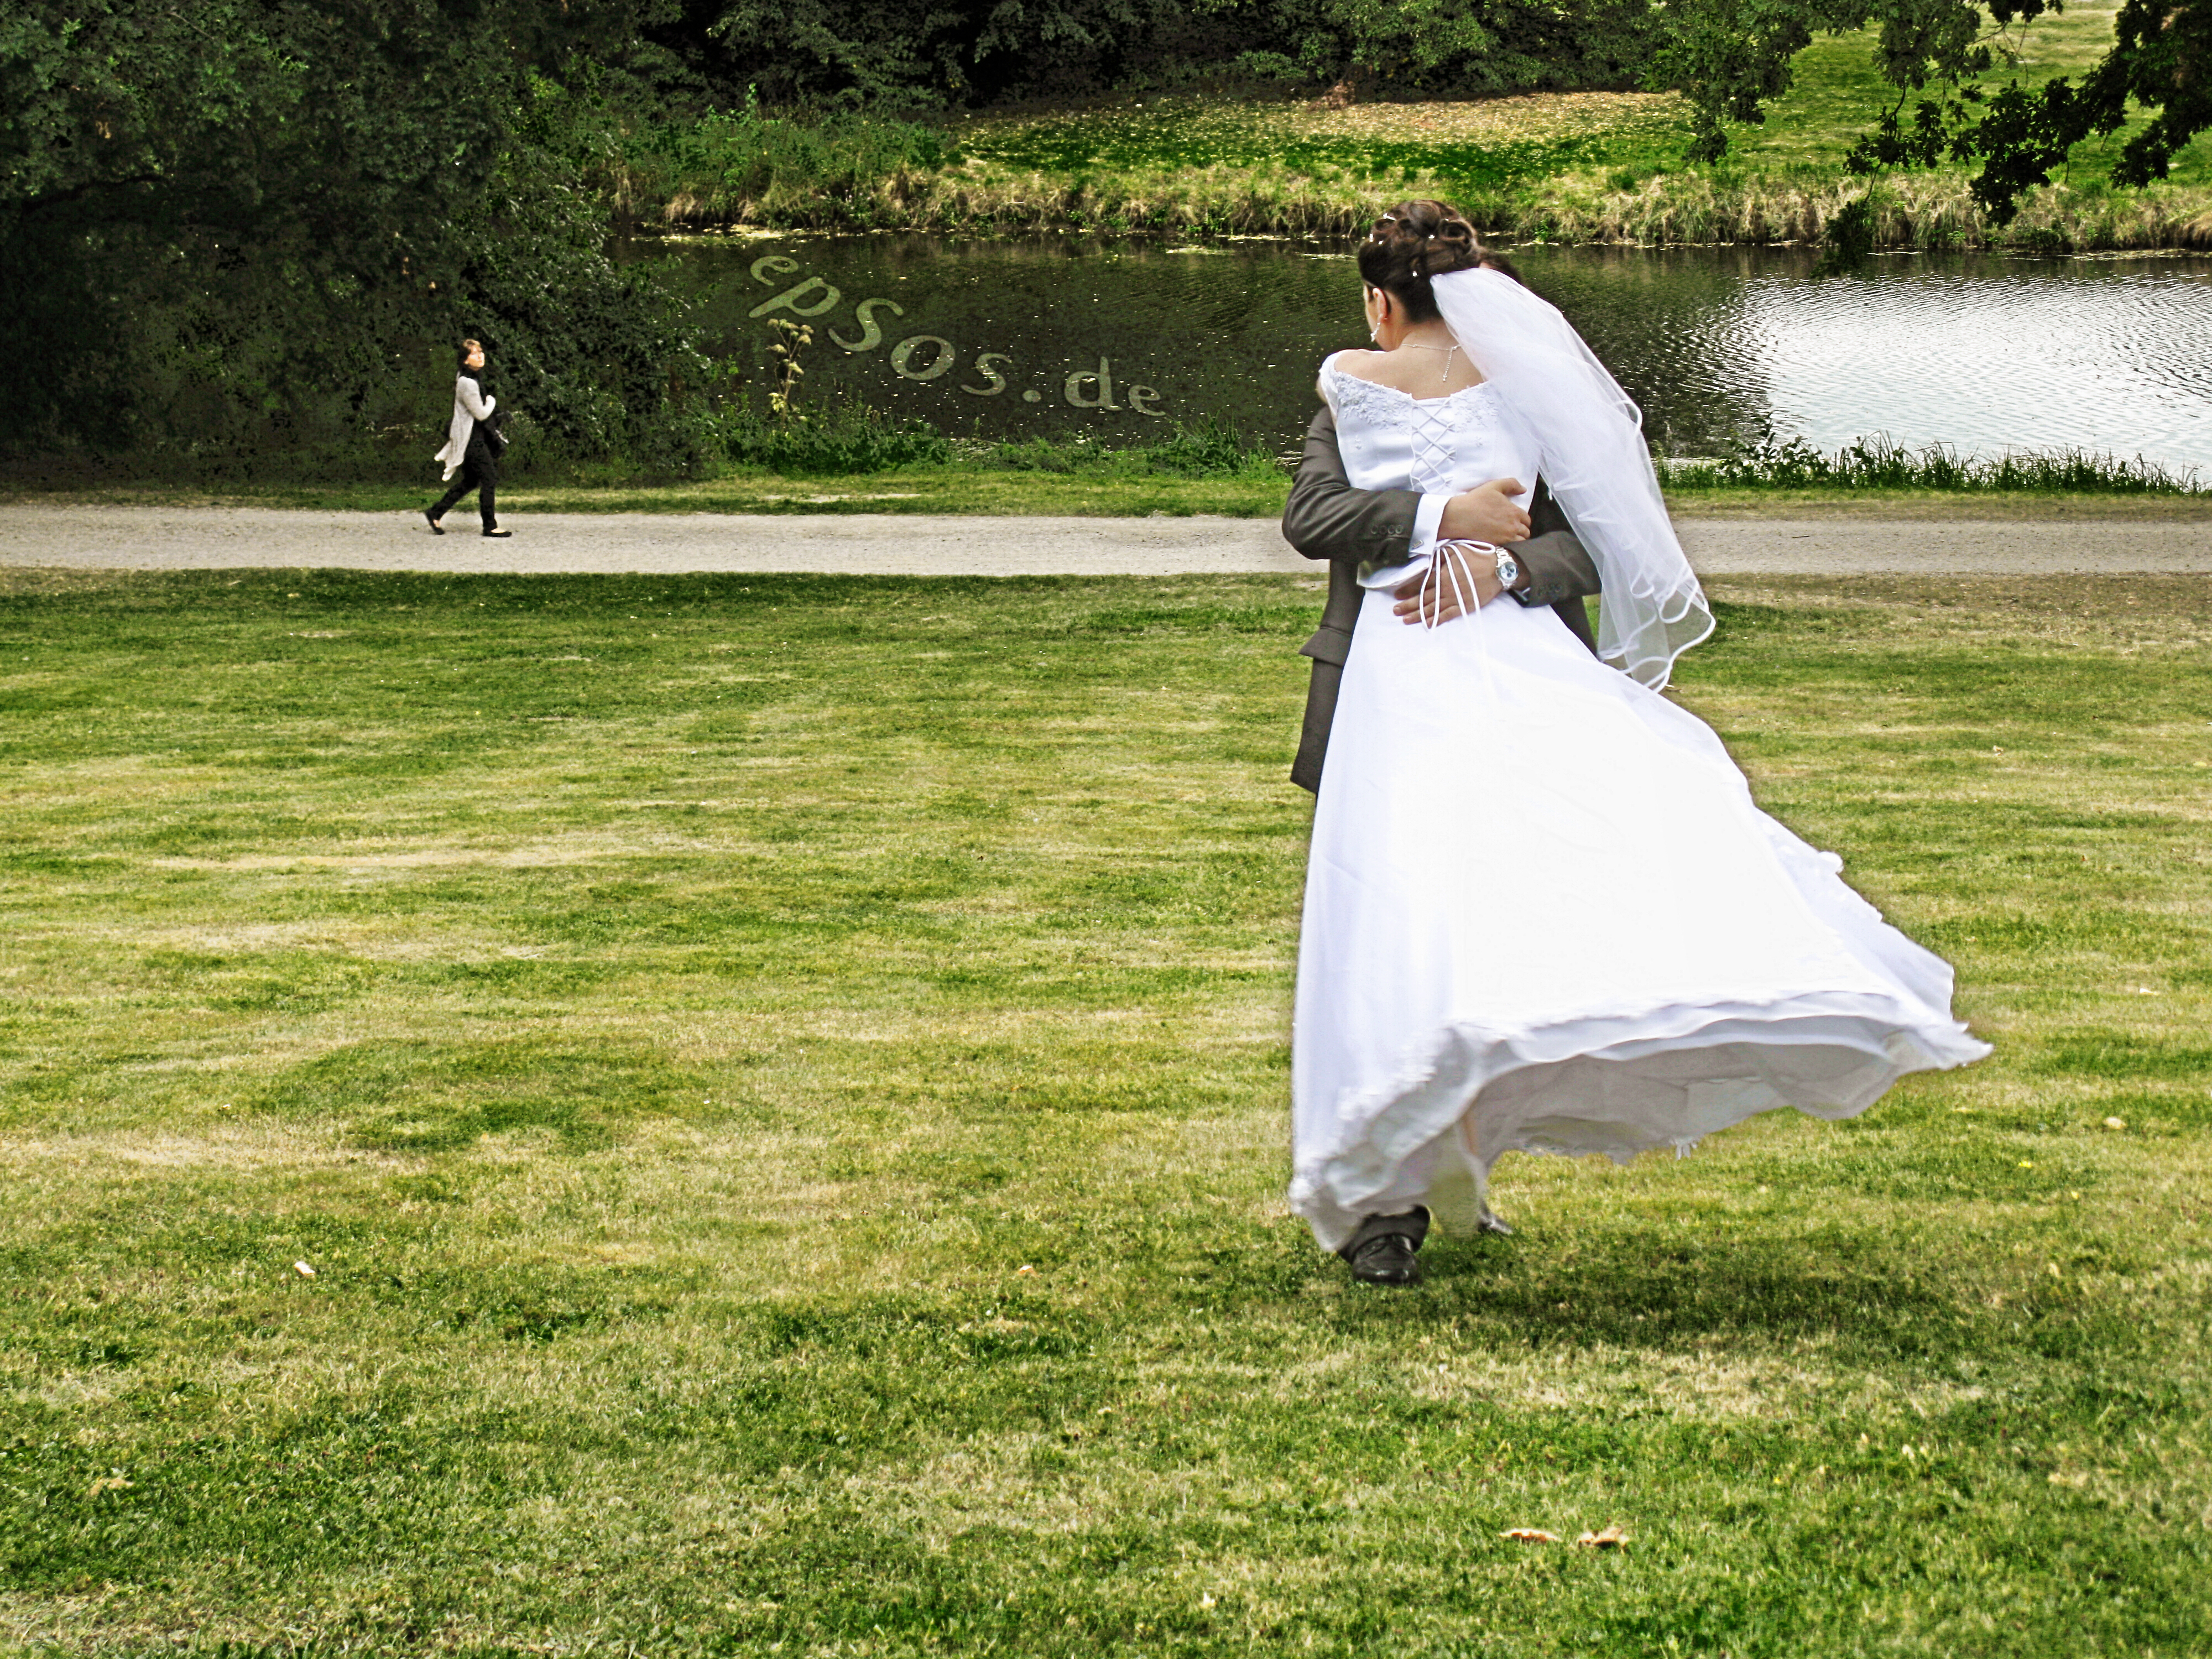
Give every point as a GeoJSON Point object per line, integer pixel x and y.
{"type": "Point", "coordinates": [202, 539]}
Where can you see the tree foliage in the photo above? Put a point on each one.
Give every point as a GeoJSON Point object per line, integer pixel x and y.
{"type": "Point", "coordinates": [2161, 58]}
{"type": "Point", "coordinates": [226, 220]}
{"type": "Point", "coordinates": [969, 51]}
{"type": "Point", "coordinates": [1460, 47]}
{"type": "Point", "coordinates": [1732, 58]}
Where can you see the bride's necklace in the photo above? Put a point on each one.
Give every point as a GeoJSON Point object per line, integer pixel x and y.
{"type": "Point", "coordinates": [1444, 373]}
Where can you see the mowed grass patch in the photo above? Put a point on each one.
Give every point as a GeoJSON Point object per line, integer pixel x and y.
{"type": "Point", "coordinates": [779, 1084]}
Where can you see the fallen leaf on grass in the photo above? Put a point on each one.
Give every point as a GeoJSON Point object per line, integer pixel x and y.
{"type": "Point", "coordinates": [1611, 1539]}
{"type": "Point", "coordinates": [1530, 1535]}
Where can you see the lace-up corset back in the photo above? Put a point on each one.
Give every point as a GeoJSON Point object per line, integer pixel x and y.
{"type": "Point", "coordinates": [1390, 440]}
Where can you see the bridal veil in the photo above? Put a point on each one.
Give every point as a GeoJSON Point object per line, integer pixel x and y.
{"type": "Point", "coordinates": [1589, 438]}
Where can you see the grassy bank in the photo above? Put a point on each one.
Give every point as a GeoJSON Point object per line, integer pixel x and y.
{"type": "Point", "coordinates": [929, 491]}
{"type": "Point", "coordinates": [779, 1086]}
{"type": "Point", "coordinates": [912, 489]}
{"type": "Point", "coordinates": [1604, 166]}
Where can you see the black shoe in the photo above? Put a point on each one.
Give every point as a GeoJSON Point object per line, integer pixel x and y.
{"type": "Point", "coordinates": [499, 532]}
{"type": "Point", "coordinates": [1382, 1251]}
{"type": "Point", "coordinates": [436, 529]}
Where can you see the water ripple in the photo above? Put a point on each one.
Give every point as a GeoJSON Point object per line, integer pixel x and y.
{"type": "Point", "coordinates": [1982, 353]}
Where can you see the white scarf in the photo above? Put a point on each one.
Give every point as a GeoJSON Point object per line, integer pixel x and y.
{"type": "Point", "coordinates": [470, 406]}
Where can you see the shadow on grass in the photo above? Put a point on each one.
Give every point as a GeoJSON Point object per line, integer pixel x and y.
{"type": "Point", "coordinates": [1631, 1288]}
{"type": "Point", "coordinates": [1638, 1288]}
{"type": "Point", "coordinates": [399, 1096]}
{"type": "Point", "coordinates": [1867, 1302]}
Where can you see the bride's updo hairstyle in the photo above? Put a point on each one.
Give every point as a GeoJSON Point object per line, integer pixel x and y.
{"type": "Point", "coordinates": [1414, 243]}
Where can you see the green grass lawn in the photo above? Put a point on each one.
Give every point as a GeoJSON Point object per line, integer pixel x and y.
{"type": "Point", "coordinates": [781, 1085]}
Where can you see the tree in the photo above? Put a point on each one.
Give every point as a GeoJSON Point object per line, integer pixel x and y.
{"type": "Point", "coordinates": [2161, 58]}
{"type": "Point", "coordinates": [889, 56]}
{"type": "Point", "coordinates": [220, 220]}
{"type": "Point", "coordinates": [1731, 57]}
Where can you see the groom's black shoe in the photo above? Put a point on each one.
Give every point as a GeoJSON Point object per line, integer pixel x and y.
{"type": "Point", "coordinates": [1382, 1251]}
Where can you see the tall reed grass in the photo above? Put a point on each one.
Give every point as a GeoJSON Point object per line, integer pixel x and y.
{"type": "Point", "coordinates": [845, 442]}
{"type": "Point", "coordinates": [1931, 213]}
{"type": "Point", "coordinates": [1881, 463]}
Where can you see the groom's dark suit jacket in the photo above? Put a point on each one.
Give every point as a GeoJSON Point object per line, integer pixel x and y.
{"type": "Point", "coordinates": [1328, 518]}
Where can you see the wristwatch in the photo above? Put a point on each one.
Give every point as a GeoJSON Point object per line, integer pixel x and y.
{"type": "Point", "coordinates": [1509, 571]}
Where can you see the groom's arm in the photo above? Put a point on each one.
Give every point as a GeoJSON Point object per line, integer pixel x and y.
{"type": "Point", "coordinates": [1555, 566]}
{"type": "Point", "coordinates": [1327, 519]}
{"type": "Point", "coordinates": [1556, 569]}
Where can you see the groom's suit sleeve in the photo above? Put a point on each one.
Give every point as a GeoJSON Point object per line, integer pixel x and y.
{"type": "Point", "coordinates": [1327, 519]}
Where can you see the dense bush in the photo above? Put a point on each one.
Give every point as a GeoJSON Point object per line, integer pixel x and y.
{"type": "Point", "coordinates": [232, 230]}
{"type": "Point", "coordinates": [1450, 47]}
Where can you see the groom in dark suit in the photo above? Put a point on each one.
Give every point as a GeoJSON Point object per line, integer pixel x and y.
{"type": "Point", "coordinates": [1328, 518]}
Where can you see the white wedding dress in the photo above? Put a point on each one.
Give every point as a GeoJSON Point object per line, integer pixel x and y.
{"type": "Point", "coordinates": [1542, 912]}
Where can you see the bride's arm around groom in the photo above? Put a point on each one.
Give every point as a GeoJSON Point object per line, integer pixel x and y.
{"type": "Point", "coordinates": [1328, 518]}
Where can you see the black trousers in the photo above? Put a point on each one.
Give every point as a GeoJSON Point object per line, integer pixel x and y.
{"type": "Point", "coordinates": [479, 472]}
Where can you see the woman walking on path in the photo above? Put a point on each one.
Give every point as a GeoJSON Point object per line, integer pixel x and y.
{"type": "Point", "coordinates": [1542, 912]}
{"type": "Point", "coordinates": [469, 447]}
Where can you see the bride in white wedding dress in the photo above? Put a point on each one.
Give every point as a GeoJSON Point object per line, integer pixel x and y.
{"type": "Point", "coordinates": [1542, 912]}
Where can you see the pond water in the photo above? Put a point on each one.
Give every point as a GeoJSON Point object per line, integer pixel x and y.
{"type": "Point", "coordinates": [1012, 338]}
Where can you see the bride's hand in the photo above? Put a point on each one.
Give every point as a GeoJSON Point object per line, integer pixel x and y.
{"type": "Point", "coordinates": [1484, 513]}
{"type": "Point", "coordinates": [1466, 583]}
